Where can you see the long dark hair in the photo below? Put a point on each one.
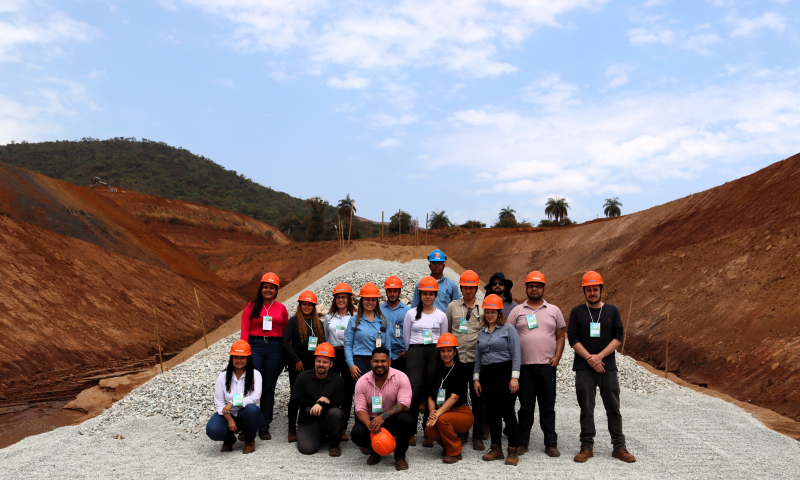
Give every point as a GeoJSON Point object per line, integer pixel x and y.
{"type": "Point", "coordinates": [258, 303]}
{"type": "Point", "coordinates": [420, 306]}
{"type": "Point", "coordinates": [249, 381]}
{"type": "Point", "coordinates": [315, 323]}
{"type": "Point", "coordinates": [350, 307]}
{"type": "Point", "coordinates": [378, 313]}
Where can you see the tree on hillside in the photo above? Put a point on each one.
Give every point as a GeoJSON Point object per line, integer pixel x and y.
{"type": "Point", "coordinates": [344, 207]}
{"type": "Point", "coordinates": [316, 218]}
{"type": "Point", "coordinates": [405, 223]}
{"type": "Point", "coordinates": [439, 220]}
{"type": "Point", "coordinates": [292, 226]}
{"type": "Point", "coordinates": [473, 224]}
{"type": "Point", "coordinates": [556, 209]}
{"type": "Point", "coordinates": [506, 218]}
{"type": "Point", "coordinates": [611, 207]}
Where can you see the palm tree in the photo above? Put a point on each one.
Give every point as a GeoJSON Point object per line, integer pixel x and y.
{"type": "Point", "coordinates": [556, 209]}
{"type": "Point", "coordinates": [506, 213]}
{"type": "Point", "coordinates": [344, 206]}
{"type": "Point", "coordinates": [438, 220]}
{"type": "Point", "coordinates": [611, 207]}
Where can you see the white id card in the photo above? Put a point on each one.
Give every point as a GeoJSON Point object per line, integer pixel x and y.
{"type": "Point", "coordinates": [267, 324]}
{"type": "Point", "coordinates": [340, 332]}
{"type": "Point", "coordinates": [377, 404]}
{"type": "Point", "coordinates": [532, 323]}
{"type": "Point", "coordinates": [594, 329]}
{"type": "Point", "coordinates": [463, 327]}
{"type": "Point", "coordinates": [440, 397]}
{"type": "Point", "coordinates": [397, 332]}
{"type": "Point", "coordinates": [238, 399]}
{"type": "Point", "coordinates": [427, 337]}
{"type": "Point", "coordinates": [312, 343]}
{"type": "Point", "coordinates": [378, 342]}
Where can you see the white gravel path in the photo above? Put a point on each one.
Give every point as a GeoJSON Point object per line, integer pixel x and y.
{"type": "Point", "coordinates": [157, 431]}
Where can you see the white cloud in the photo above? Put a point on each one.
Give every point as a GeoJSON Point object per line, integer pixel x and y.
{"type": "Point", "coordinates": [389, 143]}
{"type": "Point", "coordinates": [20, 32]}
{"type": "Point", "coordinates": [550, 92]}
{"type": "Point", "coordinates": [618, 74]}
{"type": "Point", "coordinates": [664, 36]}
{"type": "Point", "coordinates": [642, 36]}
{"type": "Point", "coordinates": [749, 26]}
{"type": "Point", "coordinates": [351, 81]}
{"type": "Point", "coordinates": [394, 120]}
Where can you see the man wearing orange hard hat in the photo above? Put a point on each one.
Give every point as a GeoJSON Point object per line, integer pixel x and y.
{"type": "Point", "coordinates": [542, 332]}
{"type": "Point", "coordinates": [595, 331]}
{"type": "Point", "coordinates": [395, 311]}
{"type": "Point", "coordinates": [319, 393]}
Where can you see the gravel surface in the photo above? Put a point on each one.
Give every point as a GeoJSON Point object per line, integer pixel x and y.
{"type": "Point", "coordinates": [158, 429]}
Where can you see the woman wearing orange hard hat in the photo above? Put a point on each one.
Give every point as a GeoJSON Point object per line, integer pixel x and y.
{"type": "Point", "coordinates": [447, 402]}
{"type": "Point", "coordinates": [236, 395]}
{"type": "Point", "coordinates": [335, 325]}
{"type": "Point", "coordinates": [263, 321]}
{"type": "Point", "coordinates": [496, 377]}
{"type": "Point", "coordinates": [422, 327]}
{"type": "Point", "coordinates": [367, 330]}
{"type": "Point", "coordinates": [303, 333]}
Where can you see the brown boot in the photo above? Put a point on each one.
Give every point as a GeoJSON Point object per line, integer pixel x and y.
{"type": "Point", "coordinates": [366, 451]}
{"type": "Point", "coordinates": [522, 448]}
{"type": "Point", "coordinates": [583, 455]}
{"type": "Point", "coordinates": [345, 437]}
{"type": "Point", "coordinates": [400, 463]}
{"type": "Point", "coordinates": [622, 454]}
{"type": "Point", "coordinates": [512, 458]}
{"type": "Point", "coordinates": [292, 434]}
{"type": "Point", "coordinates": [249, 447]}
{"type": "Point", "coordinates": [335, 451]}
{"type": "Point", "coordinates": [412, 442]}
{"type": "Point", "coordinates": [427, 442]}
{"type": "Point", "coordinates": [265, 436]}
{"type": "Point", "coordinates": [477, 444]}
{"type": "Point", "coordinates": [495, 453]}
{"type": "Point", "coordinates": [373, 459]}
{"type": "Point", "coordinates": [552, 451]}
{"type": "Point", "coordinates": [452, 459]}
{"type": "Point", "coordinates": [226, 447]}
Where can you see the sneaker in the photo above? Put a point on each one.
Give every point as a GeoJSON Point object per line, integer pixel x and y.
{"type": "Point", "coordinates": [623, 455]}
{"type": "Point", "coordinates": [495, 453]}
{"type": "Point", "coordinates": [400, 463]}
{"type": "Point", "coordinates": [226, 447]}
{"type": "Point", "coordinates": [512, 458]}
{"type": "Point", "coordinates": [522, 448]}
{"type": "Point", "coordinates": [249, 447]}
{"type": "Point", "coordinates": [477, 444]}
{"type": "Point", "coordinates": [292, 436]}
{"type": "Point", "coordinates": [264, 436]}
{"type": "Point", "coordinates": [583, 455]}
{"type": "Point", "coordinates": [373, 459]}
{"type": "Point", "coordinates": [335, 451]}
{"type": "Point", "coordinates": [452, 459]}
{"type": "Point", "coordinates": [552, 451]}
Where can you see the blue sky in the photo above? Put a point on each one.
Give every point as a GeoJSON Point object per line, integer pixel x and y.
{"type": "Point", "coordinates": [462, 106]}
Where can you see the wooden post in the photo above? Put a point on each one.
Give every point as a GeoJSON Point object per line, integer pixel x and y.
{"type": "Point", "coordinates": [625, 336]}
{"type": "Point", "coordinates": [158, 341]}
{"type": "Point", "coordinates": [426, 228]}
{"type": "Point", "coordinates": [202, 325]}
{"type": "Point", "coordinates": [341, 229]}
{"type": "Point", "coordinates": [381, 226]}
{"type": "Point", "coordinates": [351, 221]}
{"type": "Point", "coordinates": [399, 223]}
{"type": "Point", "coordinates": [666, 360]}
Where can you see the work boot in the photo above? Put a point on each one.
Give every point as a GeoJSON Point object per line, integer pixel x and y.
{"type": "Point", "coordinates": [622, 454]}
{"type": "Point", "coordinates": [400, 463]}
{"type": "Point", "coordinates": [454, 459]}
{"type": "Point", "coordinates": [583, 455]}
{"type": "Point", "coordinates": [345, 437]}
{"type": "Point", "coordinates": [292, 434]}
{"type": "Point", "coordinates": [366, 451]}
{"type": "Point", "coordinates": [373, 459]}
{"type": "Point", "coordinates": [249, 447]}
{"type": "Point", "coordinates": [226, 447]}
{"type": "Point", "coordinates": [495, 453]}
{"type": "Point", "coordinates": [552, 451]}
{"type": "Point", "coordinates": [477, 444]}
{"type": "Point", "coordinates": [412, 442]}
{"type": "Point", "coordinates": [522, 448]}
{"type": "Point", "coordinates": [334, 450]}
{"type": "Point", "coordinates": [427, 442]}
{"type": "Point", "coordinates": [513, 457]}
{"type": "Point", "coordinates": [463, 439]}
{"type": "Point", "coordinates": [264, 436]}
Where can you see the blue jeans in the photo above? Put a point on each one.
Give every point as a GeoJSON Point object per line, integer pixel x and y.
{"type": "Point", "coordinates": [268, 360]}
{"type": "Point", "coordinates": [247, 420]}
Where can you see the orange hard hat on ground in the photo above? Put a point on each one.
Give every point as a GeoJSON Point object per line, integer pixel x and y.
{"type": "Point", "coordinates": [535, 277]}
{"type": "Point", "coordinates": [447, 339]}
{"type": "Point", "coordinates": [428, 284]}
{"type": "Point", "coordinates": [241, 348]}
{"type": "Point", "coordinates": [393, 282]}
{"type": "Point", "coordinates": [468, 279]}
{"type": "Point", "coordinates": [271, 278]}
{"type": "Point", "coordinates": [369, 290]}
{"type": "Point", "coordinates": [308, 296]}
{"type": "Point", "coordinates": [383, 442]}
{"type": "Point", "coordinates": [591, 278]}
{"type": "Point", "coordinates": [342, 288]}
{"type": "Point", "coordinates": [492, 302]}
{"type": "Point", "coordinates": [325, 349]}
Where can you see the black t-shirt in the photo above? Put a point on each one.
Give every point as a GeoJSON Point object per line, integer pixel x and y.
{"type": "Point", "coordinates": [455, 383]}
{"type": "Point", "coordinates": [610, 329]}
{"type": "Point", "coordinates": [295, 349]}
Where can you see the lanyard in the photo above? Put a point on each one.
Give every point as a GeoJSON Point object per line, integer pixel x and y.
{"type": "Point", "coordinates": [374, 382]}
{"type": "Point", "coordinates": [310, 326]}
{"type": "Point", "coordinates": [445, 377]}
{"type": "Point", "coordinates": [534, 311]}
{"type": "Point", "coordinates": [270, 306]}
{"type": "Point", "coordinates": [598, 315]}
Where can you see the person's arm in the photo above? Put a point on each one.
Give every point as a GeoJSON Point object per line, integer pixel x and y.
{"type": "Point", "coordinates": [572, 330]}
{"type": "Point", "coordinates": [561, 334]}
{"type": "Point", "coordinates": [288, 337]}
{"type": "Point", "coordinates": [436, 413]}
{"type": "Point", "coordinates": [246, 322]}
{"type": "Point", "coordinates": [255, 394]}
{"type": "Point", "coordinates": [516, 359]}
{"type": "Point", "coordinates": [407, 321]}
{"type": "Point", "coordinates": [339, 393]}
{"type": "Point", "coordinates": [594, 361]}
{"type": "Point", "coordinates": [349, 338]}
{"type": "Point", "coordinates": [219, 394]}
{"type": "Point", "coordinates": [456, 295]}
{"type": "Point", "coordinates": [443, 324]}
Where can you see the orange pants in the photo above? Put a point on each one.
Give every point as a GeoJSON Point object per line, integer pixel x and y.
{"type": "Point", "coordinates": [456, 420]}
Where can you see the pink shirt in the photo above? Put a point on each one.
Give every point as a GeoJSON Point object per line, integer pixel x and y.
{"type": "Point", "coordinates": [537, 345]}
{"type": "Point", "coordinates": [396, 389]}
{"type": "Point", "coordinates": [254, 326]}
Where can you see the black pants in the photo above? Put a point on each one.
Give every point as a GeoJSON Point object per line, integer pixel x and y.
{"type": "Point", "coordinates": [340, 367]}
{"type": "Point", "coordinates": [400, 364]}
{"type": "Point", "coordinates": [421, 366]}
{"type": "Point", "coordinates": [477, 404]}
{"type": "Point", "coordinates": [308, 364]}
{"type": "Point", "coordinates": [537, 383]}
{"type": "Point", "coordinates": [500, 402]}
{"type": "Point", "coordinates": [586, 383]}
{"type": "Point", "coordinates": [330, 424]}
{"type": "Point", "coordinates": [401, 426]}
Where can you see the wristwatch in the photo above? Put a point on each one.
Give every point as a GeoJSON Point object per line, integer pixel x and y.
{"type": "Point", "coordinates": [384, 415]}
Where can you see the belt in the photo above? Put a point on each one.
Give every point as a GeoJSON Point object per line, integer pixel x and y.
{"type": "Point", "coordinates": [362, 356]}
{"type": "Point", "coordinates": [267, 339]}
{"type": "Point", "coordinates": [413, 345]}
{"type": "Point", "coordinates": [338, 348]}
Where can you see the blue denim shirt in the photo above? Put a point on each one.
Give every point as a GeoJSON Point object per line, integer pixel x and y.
{"type": "Point", "coordinates": [502, 345]}
{"type": "Point", "coordinates": [394, 318]}
{"type": "Point", "coordinates": [448, 291]}
{"type": "Point", "coordinates": [362, 340]}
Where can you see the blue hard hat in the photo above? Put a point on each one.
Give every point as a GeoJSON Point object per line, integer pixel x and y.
{"type": "Point", "coordinates": [437, 256]}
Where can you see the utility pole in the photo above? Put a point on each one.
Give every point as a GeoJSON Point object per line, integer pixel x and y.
{"type": "Point", "coordinates": [381, 226]}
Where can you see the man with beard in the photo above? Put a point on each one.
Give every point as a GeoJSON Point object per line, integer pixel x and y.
{"type": "Point", "coordinates": [382, 398]}
{"type": "Point", "coordinates": [464, 320]}
{"type": "Point", "coordinates": [542, 332]}
{"type": "Point", "coordinates": [319, 394]}
{"type": "Point", "coordinates": [448, 290]}
{"type": "Point", "coordinates": [595, 331]}
{"type": "Point", "coordinates": [395, 311]}
{"type": "Point", "coordinates": [502, 288]}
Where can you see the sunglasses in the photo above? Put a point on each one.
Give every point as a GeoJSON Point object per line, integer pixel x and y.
{"type": "Point", "coordinates": [498, 283]}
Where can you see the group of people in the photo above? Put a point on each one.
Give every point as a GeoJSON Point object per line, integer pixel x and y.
{"type": "Point", "coordinates": [459, 363]}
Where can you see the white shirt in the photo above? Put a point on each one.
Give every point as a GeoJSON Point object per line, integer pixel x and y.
{"type": "Point", "coordinates": [335, 327]}
{"type": "Point", "coordinates": [436, 322]}
{"type": "Point", "coordinates": [223, 397]}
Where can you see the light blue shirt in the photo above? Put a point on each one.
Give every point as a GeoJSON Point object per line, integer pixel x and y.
{"type": "Point", "coordinates": [394, 317]}
{"type": "Point", "coordinates": [362, 340]}
{"type": "Point", "coordinates": [499, 346]}
{"type": "Point", "coordinates": [448, 291]}
{"type": "Point", "coordinates": [335, 328]}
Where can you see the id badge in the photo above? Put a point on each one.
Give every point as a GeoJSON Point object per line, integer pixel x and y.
{"type": "Point", "coordinates": [397, 332]}
{"type": "Point", "coordinates": [427, 337]}
{"type": "Point", "coordinates": [378, 342]}
{"type": "Point", "coordinates": [594, 329]}
{"type": "Point", "coordinates": [312, 343]}
{"type": "Point", "coordinates": [463, 327]}
{"type": "Point", "coordinates": [340, 332]}
{"type": "Point", "coordinates": [377, 404]}
{"type": "Point", "coordinates": [238, 399]}
{"type": "Point", "coordinates": [532, 323]}
{"type": "Point", "coordinates": [267, 324]}
{"type": "Point", "coordinates": [440, 397]}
